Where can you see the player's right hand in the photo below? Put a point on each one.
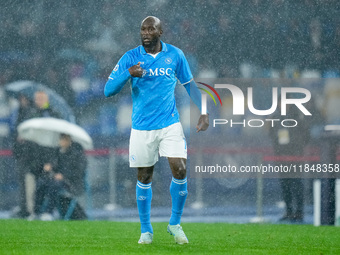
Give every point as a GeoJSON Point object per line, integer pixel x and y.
{"type": "Point", "coordinates": [136, 70]}
{"type": "Point", "coordinates": [203, 123]}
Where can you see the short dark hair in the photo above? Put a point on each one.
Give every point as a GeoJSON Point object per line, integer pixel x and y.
{"type": "Point", "coordinates": [65, 136]}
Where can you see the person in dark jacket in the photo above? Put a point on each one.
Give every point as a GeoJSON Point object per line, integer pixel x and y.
{"type": "Point", "coordinates": [30, 157]}
{"type": "Point", "coordinates": [71, 164]}
{"type": "Point", "coordinates": [64, 177]}
{"type": "Point", "coordinates": [22, 153]}
{"type": "Point", "coordinates": [288, 142]}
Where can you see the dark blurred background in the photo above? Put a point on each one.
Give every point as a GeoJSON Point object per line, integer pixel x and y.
{"type": "Point", "coordinates": [72, 46]}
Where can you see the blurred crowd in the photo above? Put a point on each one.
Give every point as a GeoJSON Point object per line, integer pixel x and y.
{"type": "Point", "coordinates": [72, 46]}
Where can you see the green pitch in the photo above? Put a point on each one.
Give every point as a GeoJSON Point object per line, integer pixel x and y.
{"type": "Point", "coordinates": [104, 237]}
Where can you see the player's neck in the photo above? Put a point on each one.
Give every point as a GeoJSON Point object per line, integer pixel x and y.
{"type": "Point", "coordinates": [153, 49]}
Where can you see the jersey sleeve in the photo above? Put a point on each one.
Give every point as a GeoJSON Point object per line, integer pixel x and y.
{"type": "Point", "coordinates": [123, 65]}
{"type": "Point", "coordinates": [183, 71]}
{"type": "Point", "coordinates": [119, 76]}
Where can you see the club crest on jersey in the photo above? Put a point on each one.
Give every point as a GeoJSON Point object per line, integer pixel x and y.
{"type": "Point", "coordinates": [116, 68]}
{"type": "Point", "coordinates": [168, 60]}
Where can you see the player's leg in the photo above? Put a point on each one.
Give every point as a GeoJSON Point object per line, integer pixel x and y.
{"type": "Point", "coordinates": [143, 155]}
{"type": "Point", "coordinates": [178, 188]}
{"type": "Point", "coordinates": [145, 174]}
{"type": "Point", "coordinates": [178, 192]}
{"type": "Point", "coordinates": [144, 197]}
{"type": "Point", "coordinates": [173, 146]}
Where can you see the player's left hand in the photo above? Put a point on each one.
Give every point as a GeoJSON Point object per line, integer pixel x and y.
{"type": "Point", "coordinates": [203, 123]}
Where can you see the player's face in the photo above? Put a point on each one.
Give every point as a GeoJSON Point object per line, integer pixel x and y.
{"type": "Point", "coordinates": [150, 33]}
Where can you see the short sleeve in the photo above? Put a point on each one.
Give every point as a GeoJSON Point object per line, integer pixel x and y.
{"type": "Point", "coordinates": [183, 71]}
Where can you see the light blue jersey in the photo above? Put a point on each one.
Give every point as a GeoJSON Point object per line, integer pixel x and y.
{"type": "Point", "coordinates": [153, 96]}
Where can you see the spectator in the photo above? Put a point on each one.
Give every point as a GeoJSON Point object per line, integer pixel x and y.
{"type": "Point", "coordinates": [331, 103]}
{"type": "Point", "coordinates": [22, 153]}
{"type": "Point", "coordinates": [57, 78]}
{"type": "Point", "coordinates": [61, 180]}
{"type": "Point", "coordinates": [42, 104]}
{"type": "Point", "coordinates": [72, 164]}
{"type": "Point", "coordinates": [30, 157]}
{"type": "Point", "coordinates": [287, 143]}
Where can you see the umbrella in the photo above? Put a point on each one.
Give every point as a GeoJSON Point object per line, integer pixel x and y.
{"type": "Point", "coordinates": [46, 132]}
{"type": "Point", "coordinates": [28, 88]}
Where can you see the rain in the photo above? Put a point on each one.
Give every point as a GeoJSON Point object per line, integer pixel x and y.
{"type": "Point", "coordinates": [286, 51]}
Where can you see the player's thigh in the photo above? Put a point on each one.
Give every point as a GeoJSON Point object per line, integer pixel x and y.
{"type": "Point", "coordinates": [173, 143]}
{"type": "Point", "coordinates": [143, 148]}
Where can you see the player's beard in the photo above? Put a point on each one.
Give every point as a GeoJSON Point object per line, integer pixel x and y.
{"type": "Point", "coordinates": [150, 44]}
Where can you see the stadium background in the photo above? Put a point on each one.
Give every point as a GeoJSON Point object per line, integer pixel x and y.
{"type": "Point", "coordinates": [73, 46]}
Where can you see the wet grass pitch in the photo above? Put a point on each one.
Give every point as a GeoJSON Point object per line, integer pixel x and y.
{"type": "Point", "coordinates": [108, 237]}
